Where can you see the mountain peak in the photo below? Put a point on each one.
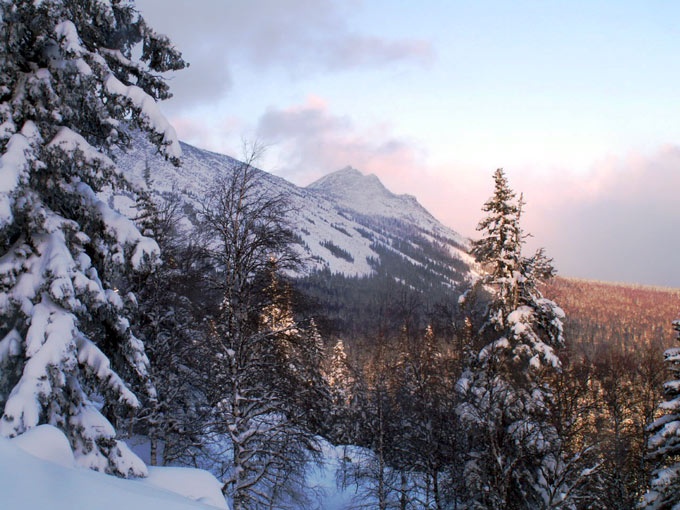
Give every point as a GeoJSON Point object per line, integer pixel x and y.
{"type": "Point", "coordinates": [343, 219]}
{"type": "Point", "coordinates": [349, 170]}
{"type": "Point", "coordinates": [365, 194]}
{"type": "Point", "coordinates": [348, 178]}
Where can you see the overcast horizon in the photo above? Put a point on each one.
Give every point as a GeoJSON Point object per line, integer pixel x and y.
{"type": "Point", "coordinates": [576, 102]}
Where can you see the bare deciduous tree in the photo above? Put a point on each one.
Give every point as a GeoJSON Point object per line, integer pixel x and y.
{"type": "Point", "coordinates": [255, 350]}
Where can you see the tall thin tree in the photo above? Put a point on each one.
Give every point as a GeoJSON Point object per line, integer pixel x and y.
{"type": "Point", "coordinates": [253, 356]}
{"type": "Point", "coordinates": [506, 396]}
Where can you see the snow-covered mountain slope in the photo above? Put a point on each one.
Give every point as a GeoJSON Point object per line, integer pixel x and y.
{"type": "Point", "coordinates": [347, 223]}
{"type": "Point", "coordinates": [365, 195]}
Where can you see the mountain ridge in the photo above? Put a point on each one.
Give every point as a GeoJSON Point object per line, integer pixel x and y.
{"type": "Point", "coordinates": [355, 191]}
{"type": "Point", "coordinates": [346, 222]}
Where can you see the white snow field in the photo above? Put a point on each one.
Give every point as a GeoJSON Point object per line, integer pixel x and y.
{"type": "Point", "coordinates": [37, 472]}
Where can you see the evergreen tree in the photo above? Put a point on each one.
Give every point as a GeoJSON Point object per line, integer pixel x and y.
{"type": "Point", "coordinates": [507, 399]}
{"type": "Point", "coordinates": [69, 88]}
{"type": "Point", "coordinates": [530, 325]}
{"type": "Point", "coordinates": [341, 383]}
{"type": "Point", "coordinates": [339, 375]}
{"type": "Point", "coordinates": [298, 354]}
{"type": "Point", "coordinates": [664, 444]}
{"type": "Point", "coordinates": [499, 250]}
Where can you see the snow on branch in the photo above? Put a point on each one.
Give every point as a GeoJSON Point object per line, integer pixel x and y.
{"type": "Point", "coordinates": [122, 229]}
{"type": "Point", "coordinates": [49, 344]}
{"type": "Point", "coordinates": [71, 142]}
{"type": "Point", "coordinates": [96, 361]}
{"type": "Point", "coordinates": [14, 166]}
{"type": "Point", "coordinates": [149, 113]}
{"type": "Point", "coordinates": [10, 346]}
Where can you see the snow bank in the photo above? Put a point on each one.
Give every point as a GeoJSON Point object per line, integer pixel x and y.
{"type": "Point", "coordinates": [48, 443]}
{"type": "Point", "coordinates": [36, 472]}
{"type": "Point", "coordinates": [195, 484]}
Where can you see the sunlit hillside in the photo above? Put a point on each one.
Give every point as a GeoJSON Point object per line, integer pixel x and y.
{"type": "Point", "coordinates": [622, 315]}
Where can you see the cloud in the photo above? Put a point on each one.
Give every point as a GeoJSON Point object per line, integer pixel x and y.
{"type": "Point", "coordinates": [363, 51]}
{"type": "Point", "coordinates": [618, 222]}
{"type": "Point", "coordinates": [311, 141]}
{"type": "Point", "coordinates": [297, 36]}
{"type": "Point", "coordinates": [212, 136]}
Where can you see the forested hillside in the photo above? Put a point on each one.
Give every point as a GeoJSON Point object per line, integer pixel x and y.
{"type": "Point", "coordinates": [616, 337]}
{"type": "Point", "coordinates": [627, 317]}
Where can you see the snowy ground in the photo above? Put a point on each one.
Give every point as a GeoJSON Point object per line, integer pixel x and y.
{"type": "Point", "coordinates": [323, 492]}
{"type": "Point", "coordinates": [323, 485]}
{"type": "Point", "coordinates": [45, 478]}
{"type": "Point", "coordinates": [37, 471]}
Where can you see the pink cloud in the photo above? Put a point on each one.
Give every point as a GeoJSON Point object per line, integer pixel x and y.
{"type": "Point", "coordinates": [312, 142]}
{"type": "Point", "coordinates": [617, 222]}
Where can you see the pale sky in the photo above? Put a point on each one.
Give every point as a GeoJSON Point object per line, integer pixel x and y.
{"type": "Point", "coordinates": [578, 101]}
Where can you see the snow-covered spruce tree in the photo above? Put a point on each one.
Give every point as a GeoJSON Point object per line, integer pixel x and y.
{"type": "Point", "coordinates": [341, 381]}
{"type": "Point", "coordinates": [298, 353]}
{"type": "Point", "coordinates": [339, 375]}
{"type": "Point", "coordinates": [69, 87]}
{"type": "Point", "coordinates": [499, 250]}
{"type": "Point", "coordinates": [512, 461]}
{"type": "Point", "coordinates": [664, 443]}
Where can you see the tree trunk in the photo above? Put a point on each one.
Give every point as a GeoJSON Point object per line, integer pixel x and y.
{"type": "Point", "coordinates": [402, 496]}
{"type": "Point", "coordinates": [382, 496]}
{"type": "Point", "coordinates": [153, 447]}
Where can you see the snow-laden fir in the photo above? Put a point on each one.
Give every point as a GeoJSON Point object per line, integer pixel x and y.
{"type": "Point", "coordinates": [67, 95]}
